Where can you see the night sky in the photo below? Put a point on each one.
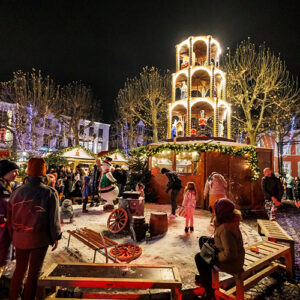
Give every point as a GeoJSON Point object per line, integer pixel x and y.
{"type": "Point", "coordinates": [104, 42]}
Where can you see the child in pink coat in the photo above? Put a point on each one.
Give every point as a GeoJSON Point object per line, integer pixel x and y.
{"type": "Point", "coordinates": [189, 203]}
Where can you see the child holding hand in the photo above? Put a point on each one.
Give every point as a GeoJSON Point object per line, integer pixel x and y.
{"type": "Point", "coordinates": [189, 204]}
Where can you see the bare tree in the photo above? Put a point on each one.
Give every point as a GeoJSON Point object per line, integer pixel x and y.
{"type": "Point", "coordinates": [78, 103]}
{"type": "Point", "coordinates": [145, 98]}
{"type": "Point", "coordinates": [258, 85]}
{"type": "Point", "coordinates": [33, 97]}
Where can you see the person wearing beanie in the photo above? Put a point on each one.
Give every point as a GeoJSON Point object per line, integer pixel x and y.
{"type": "Point", "coordinates": [228, 242]}
{"type": "Point", "coordinates": [8, 174]}
{"type": "Point", "coordinates": [34, 224]}
{"type": "Point", "coordinates": [86, 192]}
{"type": "Point", "coordinates": [174, 184]}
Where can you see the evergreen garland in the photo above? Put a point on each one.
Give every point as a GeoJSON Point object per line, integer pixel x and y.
{"type": "Point", "coordinates": [249, 152]}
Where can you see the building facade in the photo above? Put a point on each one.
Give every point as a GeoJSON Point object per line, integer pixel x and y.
{"type": "Point", "coordinates": [53, 135]}
{"type": "Point", "coordinates": [290, 152]}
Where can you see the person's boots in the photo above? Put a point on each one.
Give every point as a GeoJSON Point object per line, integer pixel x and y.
{"type": "Point", "coordinates": [186, 229]}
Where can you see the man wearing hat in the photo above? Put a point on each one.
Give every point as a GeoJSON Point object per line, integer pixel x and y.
{"type": "Point", "coordinates": [8, 174]}
{"type": "Point", "coordinates": [34, 224]}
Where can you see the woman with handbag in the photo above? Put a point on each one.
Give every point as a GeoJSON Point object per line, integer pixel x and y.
{"type": "Point", "coordinates": [226, 251]}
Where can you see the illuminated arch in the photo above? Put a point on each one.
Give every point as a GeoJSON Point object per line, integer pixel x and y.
{"type": "Point", "coordinates": [182, 72]}
{"type": "Point", "coordinates": [197, 100]}
{"type": "Point", "coordinates": [183, 103]}
{"type": "Point", "coordinates": [201, 68]}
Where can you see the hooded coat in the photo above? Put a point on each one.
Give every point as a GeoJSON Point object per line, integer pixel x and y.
{"type": "Point", "coordinates": [229, 242]}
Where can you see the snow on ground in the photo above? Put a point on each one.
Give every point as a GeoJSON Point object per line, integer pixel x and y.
{"type": "Point", "coordinates": [175, 248]}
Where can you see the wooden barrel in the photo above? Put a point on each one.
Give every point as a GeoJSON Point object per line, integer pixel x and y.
{"type": "Point", "coordinates": [139, 226]}
{"type": "Point", "coordinates": [158, 223]}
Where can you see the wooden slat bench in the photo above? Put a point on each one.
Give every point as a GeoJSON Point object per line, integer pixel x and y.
{"type": "Point", "coordinates": [257, 265]}
{"type": "Point", "coordinates": [111, 276]}
{"type": "Point", "coordinates": [92, 240]}
{"type": "Point", "coordinates": [275, 233]}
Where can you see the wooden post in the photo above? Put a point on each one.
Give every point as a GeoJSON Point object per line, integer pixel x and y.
{"type": "Point", "coordinates": [239, 287]}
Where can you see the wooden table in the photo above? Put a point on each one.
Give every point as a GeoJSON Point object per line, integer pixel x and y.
{"type": "Point", "coordinates": [257, 265]}
{"type": "Point", "coordinates": [121, 276]}
{"type": "Point", "coordinates": [275, 233]}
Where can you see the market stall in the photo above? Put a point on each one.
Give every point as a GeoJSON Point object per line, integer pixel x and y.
{"type": "Point", "coordinates": [118, 157]}
{"type": "Point", "coordinates": [195, 159]}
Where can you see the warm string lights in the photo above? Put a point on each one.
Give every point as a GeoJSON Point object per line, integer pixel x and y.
{"type": "Point", "coordinates": [248, 152]}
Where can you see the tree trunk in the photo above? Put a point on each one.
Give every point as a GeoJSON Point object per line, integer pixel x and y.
{"type": "Point", "coordinates": [76, 132]}
{"type": "Point", "coordinates": [154, 126]}
{"type": "Point", "coordinates": [252, 137]}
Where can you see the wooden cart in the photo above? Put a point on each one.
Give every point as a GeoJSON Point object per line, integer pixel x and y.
{"type": "Point", "coordinates": [107, 276]}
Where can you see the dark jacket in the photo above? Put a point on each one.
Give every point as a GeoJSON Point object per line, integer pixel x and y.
{"type": "Point", "coordinates": [120, 176]}
{"type": "Point", "coordinates": [272, 187]}
{"type": "Point", "coordinates": [174, 182]}
{"type": "Point", "coordinates": [33, 215]}
{"type": "Point", "coordinates": [68, 183]}
{"type": "Point", "coordinates": [5, 192]}
{"type": "Point", "coordinates": [229, 242]}
{"type": "Point", "coordinates": [95, 179]}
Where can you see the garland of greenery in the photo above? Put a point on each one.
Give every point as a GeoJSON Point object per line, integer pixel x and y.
{"type": "Point", "coordinates": [248, 152]}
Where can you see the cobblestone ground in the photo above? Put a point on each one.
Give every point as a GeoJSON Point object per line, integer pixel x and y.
{"type": "Point", "coordinates": [277, 286]}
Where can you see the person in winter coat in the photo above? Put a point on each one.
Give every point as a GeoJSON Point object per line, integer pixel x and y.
{"type": "Point", "coordinates": [215, 187]}
{"type": "Point", "coordinates": [189, 203]}
{"type": "Point", "coordinates": [95, 182]}
{"type": "Point", "coordinates": [297, 189]}
{"type": "Point", "coordinates": [8, 174]}
{"type": "Point", "coordinates": [68, 183]}
{"type": "Point", "coordinates": [86, 193]}
{"type": "Point", "coordinates": [228, 243]}
{"type": "Point", "coordinates": [289, 187]}
{"type": "Point", "coordinates": [34, 224]}
{"type": "Point", "coordinates": [174, 184]}
{"type": "Point", "coordinates": [273, 191]}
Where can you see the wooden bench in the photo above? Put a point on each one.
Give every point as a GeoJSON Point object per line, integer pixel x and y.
{"type": "Point", "coordinates": [257, 265]}
{"type": "Point", "coordinates": [275, 233]}
{"type": "Point", "coordinates": [110, 276]}
{"type": "Point", "coordinates": [92, 240]}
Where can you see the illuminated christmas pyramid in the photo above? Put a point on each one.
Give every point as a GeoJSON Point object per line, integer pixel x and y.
{"type": "Point", "coordinates": [198, 89]}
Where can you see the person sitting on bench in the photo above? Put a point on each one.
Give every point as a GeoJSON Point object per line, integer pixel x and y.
{"type": "Point", "coordinates": [228, 242]}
